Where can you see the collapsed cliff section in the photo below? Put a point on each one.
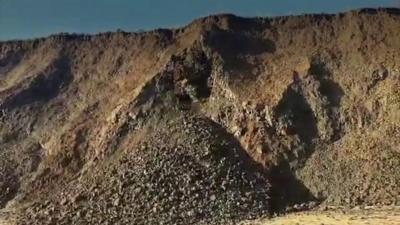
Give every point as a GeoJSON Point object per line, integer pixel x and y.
{"type": "Point", "coordinates": [58, 95]}
{"type": "Point", "coordinates": [313, 100]}
{"type": "Point", "coordinates": [165, 163]}
{"type": "Point", "coordinates": [301, 101]}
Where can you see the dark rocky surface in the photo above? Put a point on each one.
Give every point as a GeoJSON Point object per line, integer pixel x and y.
{"type": "Point", "coordinates": [201, 177]}
{"type": "Point", "coordinates": [225, 119]}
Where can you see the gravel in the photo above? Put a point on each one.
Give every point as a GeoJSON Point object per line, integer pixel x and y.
{"type": "Point", "coordinates": [201, 176]}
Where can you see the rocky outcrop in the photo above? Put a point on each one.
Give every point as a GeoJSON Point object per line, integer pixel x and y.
{"type": "Point", "coordinates": [287, 112]}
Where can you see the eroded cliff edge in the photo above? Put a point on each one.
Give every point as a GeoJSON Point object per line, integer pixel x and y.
{"type": "Point", "coordinates": [269, 112]}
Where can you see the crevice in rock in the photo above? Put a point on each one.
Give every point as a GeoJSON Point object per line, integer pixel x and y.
{"type": "Point", "coordinates": [295, 119]}
{"type": "Point", "coordinates": [377, 76]}
{"type": "Point", "coordinates": [191, 74]}
{"type": "Point", "coordinates": [296, 116]}
{"type": "Point", "coordinates": [333, 93]}
{"type": "Point", "coordinates": [43, 87]}
{"type": "Point", "coordinates": [9, 185]}
{"type": "Point", "coordinates": [235, 47]}
{"type": "Point", "coordinates": [287, 191]}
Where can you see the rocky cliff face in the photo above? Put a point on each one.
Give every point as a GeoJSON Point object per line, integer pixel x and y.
{"type": "Point", "coordinates": [242, 116]}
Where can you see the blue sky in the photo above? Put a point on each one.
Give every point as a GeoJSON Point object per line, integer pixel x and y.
{"type": "Point", "coordinates": [21, 19]}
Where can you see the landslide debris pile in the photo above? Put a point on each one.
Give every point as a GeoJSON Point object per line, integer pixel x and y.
{"type": "Point", "coordinates": [202, 176]}
{"type": "Point", "coordinates": [262, 115]}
